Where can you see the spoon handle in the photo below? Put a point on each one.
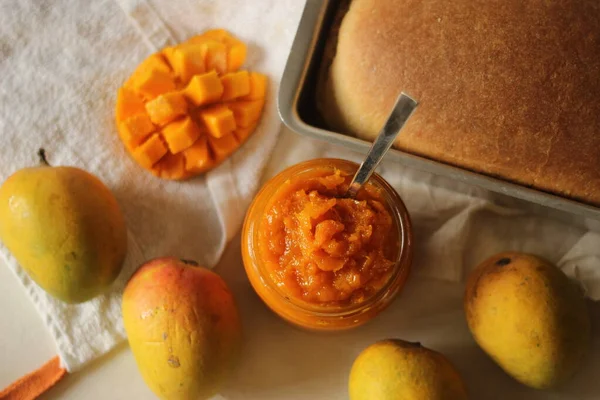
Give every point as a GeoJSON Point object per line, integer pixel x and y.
{"type": "Point", "coordinates": [404, 107]}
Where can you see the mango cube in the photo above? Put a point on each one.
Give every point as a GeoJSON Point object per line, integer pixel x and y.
{"type": "Point", "coordinates": [169, 55]}
{"type": "Point", "coordinates": [236, 56]}
{"type": "Point", "coordinates": [155, 61]}
{"type": "Point", "coordinates": [215, 56]}
{"type": "Point", "coordinates": [258, 87]}
{"type": "Point", "coordinates": [153, 82]}
{"type": "Point", "coordinates": [236, 49]}
{"type": "Point", "coordinates": [135, 129]}
{"type": "Point", "coordinates": [171, 166]}
{"type": "Point", "coordinates": [223, 146]}
{"type": "Point", "coordinates": [204, 89]}
{"type": "Point", "coordinates": [246, 112]}
{"type": "Point", "coordinates": [149, 152]}
{"type": "Point", "coordinates": [166, 107]}
{"type": "Point", "coordinates": [188, 106]}
{"type": "Point", "coordinates": [197, 157]}
{"type": "Point", "coordinates": [235, 84]}
{"type": "Point", "coordinates": [187, 61]}
{"type": "Point", "coordinates": [181, 134]}
{"type": "Point", "coordinates": [214, 52]}
{"type": "Point", "coordinates": [128, 104]}
{"type": "Point", "coordinates": [218, 119]}
{"type": "Point", "coordinates": [242, 134]}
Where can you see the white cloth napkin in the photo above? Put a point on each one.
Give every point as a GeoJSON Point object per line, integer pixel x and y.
{"type": "Point", "coordinates": [61, 63]}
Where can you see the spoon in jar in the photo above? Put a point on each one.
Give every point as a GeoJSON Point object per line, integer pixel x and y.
{"type": "Point", "coordinates": [404, 107]}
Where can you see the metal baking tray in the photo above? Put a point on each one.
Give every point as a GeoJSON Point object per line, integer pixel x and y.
{"type": "Point", "coordinates": [297, 109]}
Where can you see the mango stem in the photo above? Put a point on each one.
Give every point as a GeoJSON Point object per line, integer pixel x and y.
{"type": "Point", "coordinates": [42, 155]}
{"type": "Point", "coordinates": [190, 262]}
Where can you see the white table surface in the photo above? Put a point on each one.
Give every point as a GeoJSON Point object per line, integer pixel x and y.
{"type": "Point", "coordinates": [279, 361]}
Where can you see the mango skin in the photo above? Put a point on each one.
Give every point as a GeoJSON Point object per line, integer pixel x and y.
{"type": "Point", "coordinates": [528, 317]}
{"type": "Point", "coordinates": [65, 229]}
{"type": "Point", "coordinates": [183, 328]}
{"type": "Point", "coordinates": [393, 369]}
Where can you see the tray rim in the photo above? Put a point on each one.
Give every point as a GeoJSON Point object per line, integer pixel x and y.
{"type": "Point", "coordinates": [292, 84]}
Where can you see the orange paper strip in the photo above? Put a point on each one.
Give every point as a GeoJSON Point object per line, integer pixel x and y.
{"type": "Point", "coordinates": [35, 383]}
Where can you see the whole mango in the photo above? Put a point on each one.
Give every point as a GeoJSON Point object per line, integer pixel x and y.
{"type": "Point", "coordinates": [393, 369]}
{"type": "Point", "coordinates": [528, 317]}
{"type": "Point", "coordinates": [183, 328]}
{"type": "Point", "coordinates": [65, 229]}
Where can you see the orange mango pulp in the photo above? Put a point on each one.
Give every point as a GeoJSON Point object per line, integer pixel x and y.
{"type": "Point", "coordinates": [323, 249]}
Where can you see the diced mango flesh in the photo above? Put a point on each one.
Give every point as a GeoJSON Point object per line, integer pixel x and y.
{"type": "Point", "coordinates": [235, 84]}
{"type": "Point", "coordinates": [218, 119]}
{"type": "Point", "coordinates": [188, 61]}
{"type": "Point", "coordinates": [169, 55]}
{"type": "Point", "coordinates": [242, 134]}
{"type": "Point", "coordinates": [166, 107]}
{"type": "Point", "coordinates": [135, 129]}
{"type": "Point", "coordinates": [197, 157]}
{"type": "Point", "coordinates": [153, 82]}
{"type": "Point", "coordinates": [154, 62]}
{"type": "Point", "coordinates": [236, 56]}
{"type": "Point", "coordinates": [204, 89]}
{"type": "Point", "coordinates": [128, 104]}
{"type": "Point", "coordinates": [215, 56]}
{"type": "Point", "coordinates": [171, 166]}
{"type": "Point", "coordinates": [258, 87]}
{"type": "Point", "coordinates": [246, 112]}
{"type": "Point", "coordinates": [236, 49]}
{"type": "Point", "coordinates": [149, 152]}
{"type": "Point", "coordinates": [223, 146]}
{"type": "Point", "coordinates": [181, 134]}
{"type": "Point", "coordinates": [186, 108]}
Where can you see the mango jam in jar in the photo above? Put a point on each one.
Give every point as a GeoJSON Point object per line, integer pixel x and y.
{"type": "Point", "coordinates": [322, 261]}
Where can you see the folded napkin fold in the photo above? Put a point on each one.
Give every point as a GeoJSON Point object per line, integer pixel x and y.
{"type": "Point", "coordinates": [61, 65]}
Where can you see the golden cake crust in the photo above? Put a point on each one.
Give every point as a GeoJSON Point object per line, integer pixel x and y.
{"type": "Point", "coordinates": [508, 88]}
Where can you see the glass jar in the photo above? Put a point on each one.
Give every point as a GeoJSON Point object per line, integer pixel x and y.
{"type": "Point", "coordinates": [323, 317]}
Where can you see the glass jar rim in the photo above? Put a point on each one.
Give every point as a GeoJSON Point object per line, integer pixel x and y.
{"type": "Point", "coordinates": [394, 205]}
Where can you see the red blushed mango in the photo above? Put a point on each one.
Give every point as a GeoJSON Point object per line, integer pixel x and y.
{"type": "Point", "coordinates": [183, 328]}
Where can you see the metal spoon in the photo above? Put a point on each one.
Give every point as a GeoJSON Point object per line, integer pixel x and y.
{"type": "Point", "coordinates": [404, 107]}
